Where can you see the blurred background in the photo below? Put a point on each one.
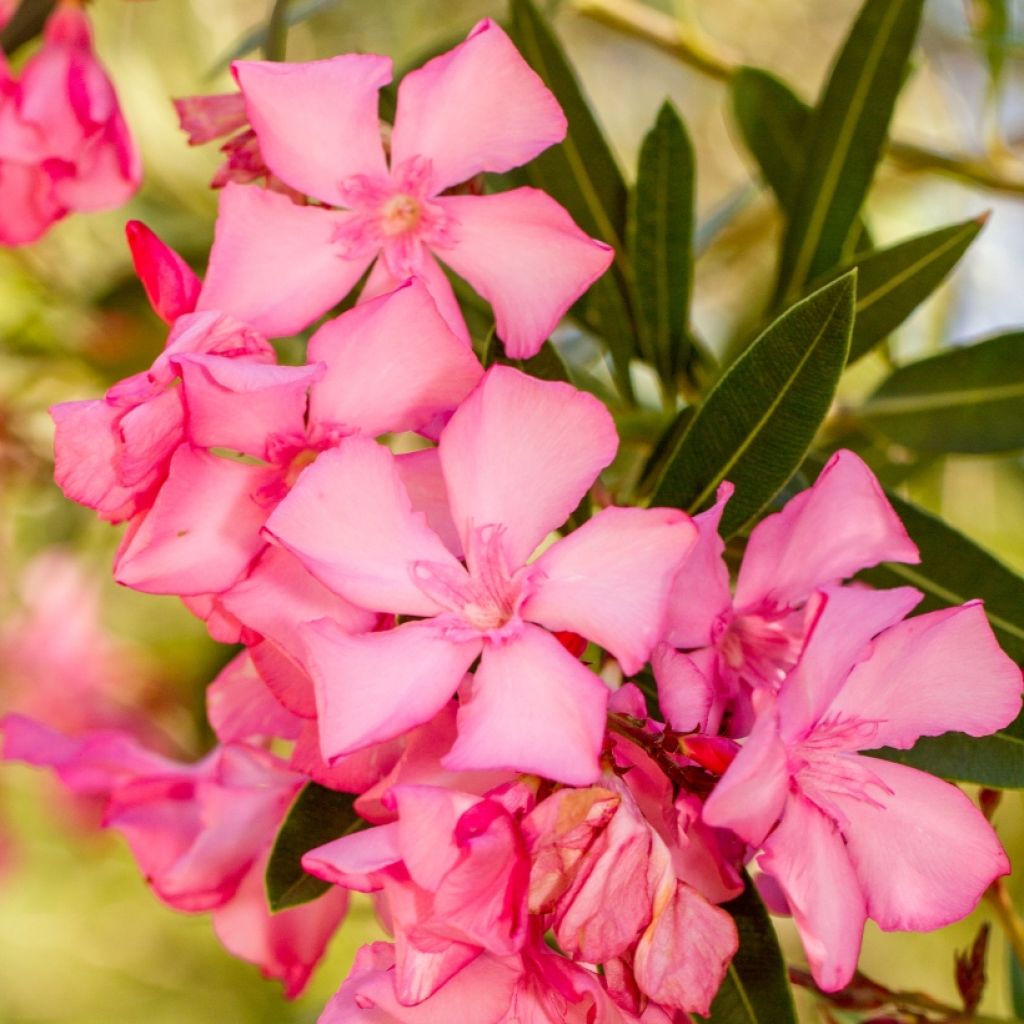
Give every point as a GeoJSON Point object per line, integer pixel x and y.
{"type": "Point", "coordinates": [81, 939]}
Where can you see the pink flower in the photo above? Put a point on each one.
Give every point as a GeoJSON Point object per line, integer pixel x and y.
{"type": "Point", "coordinates": [827, 533]}
{"type": "Point", "coordinates": [476, 108]}
{"type": "Point", "coordinates": [517, 457]}
{"type": "Point", "coordinates": [64, 144]}
{"type": "Point", "coordinates": [848, 837]}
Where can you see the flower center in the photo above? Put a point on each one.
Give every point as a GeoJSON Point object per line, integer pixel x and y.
{"type": "Point", "coordinates": [762, 650]}
{"type": "Point", "coordinates": [400, 214]}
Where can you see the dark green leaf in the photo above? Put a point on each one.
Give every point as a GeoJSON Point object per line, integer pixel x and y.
{"type": "Point", "coordinates": [953, 570]}
{"type": "Point", "coordinates": [755, 990]}
{"type": "Point", "coordinates": [661, 243]}
{"type": "Point", "coordinates": [317, 816]}
{"type": "Point", "coordinates": [758, 421]}
{"type": "Point", "coordinates": [968, 399]}
{"type": "Point", "coordinates": [844, 140]}
{"type": "Point", "coordinates": [1016, 982]}
{"type": "Point", "coordinates": [581, 173]}
{"type": "Point", "coordinates": [996, 761]}
{"type": "Point", "coordinates": [893, 282]}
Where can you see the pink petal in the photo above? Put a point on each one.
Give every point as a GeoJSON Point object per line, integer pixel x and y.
{"type": "Point", "coordinates": [750, 796]}
{"type": "Point", "coordinates": [478, 107]}
{"type": "Point", "coordinates": [202, 532]}
{"type": "Point", "coordinates": [682, 957]}
{"type": "Point", "coordinates": [533, 708]}
{"type": "Point", "coordinates": [286, 946]}
{"type": "Point", "coordinates": [609, 580]}
{"type": "Point", "coordinates": [375, 686]}
{"type": "Point", "coordinates": [170, 283]}
{"type": "Point", "coordinates": [685, 694]}
{"type": "Point", "coordinates": [28, 202]}
{"type": "Point", "coordinates": [241, 405]}
{"type": "Point", "coordinates": [522, 452]}
{"type": "Point", "coordinates": [840, 525]}
{"type": "Point", "coordinates": [392, 365]}
{"type": "Point", "coordinates": [349, 520]}
{"type": "Point", "coordinates": [839, 638]}
{"type": "Point", "coordinates": [357, 861]}
{"type": "Point", "coordinates": [423, 479]}
{"type": "Point", "coordinates": [525, 255]}
{"type": "Point", "coordinates": [276, 265]}
{"type": "Point", "coordinates": [700, 596]}
{"type": "Point", "coordinates": [355, 773]}
{"type": "Point", "coordinates": [427, 819]}
{"type": "Point", "coordinates": [924, 854]}
{"type": "Point", "coordinates": [931, 674]}
{"type": "Point", "coordinates": [807, 857]}
{"type": "Point", "coordinates": [317, 122]}
{"type": "Point", "coordinates": [205, 118]}
{"type": "Point", "coordinates": [286, 679]}
{"type": "Point", "coordinates": [240, 707]}
{"type": "Point", "coordinates": [149, 433]}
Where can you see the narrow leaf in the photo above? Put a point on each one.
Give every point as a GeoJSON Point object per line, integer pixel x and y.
{"type": "Point", "coordinates": [996, 761]}
{"type": "Point", "coordinates": [845, 139]}
{"type": "Point", "coordinates": [661, 243]}
{"type": "Point", "coordinates": [893, 282]}
{"type": "Point", "coordinates": [1016, 982]}
{"type": "Point", "coordinates": [968, 399]}
{"type": "Point", "coordinates": [953, 569]}
{"type": "Point", "coordinates": [755, 990]}
{"type": "Point", "coordinates": [756, 424]}
{"type": "Point", "coordinates": [317, 816]}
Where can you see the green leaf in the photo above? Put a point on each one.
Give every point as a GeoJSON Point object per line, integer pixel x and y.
{"type": "Point", "coordinates": [968, 399]}
{"type": "Point", "coordinates": [893, 282]}
{"type": "Point", "coordinates": [845, 139]}
{"type": "Point", "coordinates": [996, 761]}
{"type": "Point", "coordinates": [755, 990]}
{"type": "Point", "coordinates": [256, 38]}
{"type": "Point", "coordinates": [317, 816]}
{"type": "Point", "coordinates": [1016, 982]}
{"type": "Point", "coordinates": [953, 570]}
{"type": "Point", "coordinates": [581, 173]}
{"type": "Point", "coordinates": [993, 24]}
{"type": "Point", "coordinates": [756, 424]}
{"type": "Point", "coordinates": [661, 243]}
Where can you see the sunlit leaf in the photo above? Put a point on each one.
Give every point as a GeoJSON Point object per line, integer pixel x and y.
{"type": "Point", "coordinates": [844, 140]}
{"type": "Point", "coordinates": [968, 399]}
{"type": "Point", "coordinates": [756, 424]}
{"type": "Point", "coordinates": [317, 816]}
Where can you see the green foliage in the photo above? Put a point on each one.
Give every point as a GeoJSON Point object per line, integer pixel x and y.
{"type": "Point", "coordinates": [996, 761]}
{"type": "Point", "coordinates": [844, 141]}
{"type": "Point", "coordinates": [661, 243]}
{"type": "Point", "coordinates": [317, 816]}
{"type": "Point", "coordinates": [757, 423]}
{"type": "Point", "coordinates": [968, 399]}
{"type": "Point", "coordinates": [953, 569]}
{"type": "Point", "coordinates": [755, 990]}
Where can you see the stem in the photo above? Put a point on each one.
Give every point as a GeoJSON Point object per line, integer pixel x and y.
{"type": "Point", "coordinates": [275, 44]}
{"type": "Point", "coordinates": [999, 897]}
{"type": "Point", "coordinates": [694, 49]}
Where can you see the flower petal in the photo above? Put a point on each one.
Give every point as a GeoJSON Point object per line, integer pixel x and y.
{"type": "Point", "coordinates": [807, 857]}
{"type": "Point", "coordinates": [240, 707]}
{"type": "Point", "coordinates": [171, 285]}
{"type": "Point", "coordinates": [276, 265]}
{"type": "Point", "coordinates": [685, 694]}
{"type": "Point", "coordinates": [392, 365]}
{"type": "Point", "coordinates": [532, 707]}
{"type": "Point", "coordinates": [478, 107]}
{"type": "Point", "coordinates": [522, 452]}
{"type": "Point", "coordinates": [349, 520]}
{"type": "Point", "coordinates": [375, 686]}
{"type": "Point", "coordinates": [609, 580]}
{"type": "Point", "coordinates": [931, 674]}
{"type": "Point", "coordinates": [923, 852]}
{"type": "Point", "coordinates": [838, 526]}
{"type": "Point", "coordinates": [317, 122]}
{"type": "Point", "coordinates": [525, 255]}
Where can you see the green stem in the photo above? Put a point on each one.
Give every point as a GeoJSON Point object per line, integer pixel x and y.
{"type": "Point", "coordinates": [999, 898]}
{"type": "Point", "coordinates": [275, 45]}
{"type": "Point", "coordinates": [694, 49]}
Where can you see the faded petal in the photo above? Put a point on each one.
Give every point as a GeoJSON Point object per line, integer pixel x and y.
{"type": "Point", "coordinates": [609, 580]}
{"type": "Point", "coordinates": [317, 122]}
{"type": "Point", "coordinates": [525, 255]}
{"type": "Point", "coordinates": [376, 686]}
{"type": "Point", "coordinates": [840, 525]}
{"type": "Point", "coordinates": [478, 107]}
{"type": "Point", "coordinates": [532, 707]}
{"type": "Point", "coordinates": [521, 453]}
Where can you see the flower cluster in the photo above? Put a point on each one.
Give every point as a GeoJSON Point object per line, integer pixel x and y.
{"type": "Point", "coordinates": [404, 542]}
{"type": "Point", "coordinates": [64, 144]}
